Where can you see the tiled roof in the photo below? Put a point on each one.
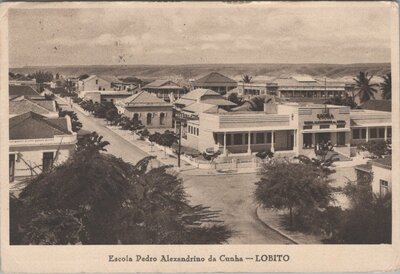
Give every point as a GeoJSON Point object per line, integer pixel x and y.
{"type": "Point", "coordinates": [198, 93]}
{"type": "Point", "coordinates": [218, 102]}
{"type": "Point", "coordinates": [214, 78]}
{"type": "Point", "coordinates": [198, 107]}
{"type": "Point", "coordinates": [31, 125]}
{"type": "Point", "coordinates": [44, 107]}
{"type": "Point", "coordinates": [162, 83]}
{"type": "Point", "coordinates": [380, 105]}
{"type": "Point", "coordinates": [18, 90]}
{"type": "Point", "coordinates": [383, 162]}
{"type": "Point", "coordinates": [143, 98]}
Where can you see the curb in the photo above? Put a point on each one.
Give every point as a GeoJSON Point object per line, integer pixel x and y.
{"type": "Point", "coordinates": [275, 229]}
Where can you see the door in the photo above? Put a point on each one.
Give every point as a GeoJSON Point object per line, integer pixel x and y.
{"type": "Point", "coordinates": [11, 165]}
{"type": "Point", "coordinates": [48, 158]}
{"type": "Point", "coordinates": [323, 138]}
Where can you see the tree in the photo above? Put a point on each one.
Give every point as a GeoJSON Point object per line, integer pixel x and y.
{"type": "Point", "coordinates": [257, 103]}
{"type": "Point", "coordinates": [76, 124]}
{"type": "Point", "coordinates": [246, 78]}
{"type": "Point", "coordinates": [234, 98]}
{"type": "Point", "coordinates": [342, 101]}
{"type": "Point", "coordinates": [112, 115]}
{"type": "Point", "coordinates": [293, 186]}
{"type": "Point", "coordinates": [378, 148]}
{"type": "Point", "coordinates": [92, 143]}
{"type": "Point", "coordinates": [104, 200]}
{"type": "Point", "coordinates": [365, 90]}
{"type": "Point", "coordinates": [386, 87]}
{"type": "Point", "coordinates": [83, 76]}
{"type": "Point", "coordinates": [42, 77]}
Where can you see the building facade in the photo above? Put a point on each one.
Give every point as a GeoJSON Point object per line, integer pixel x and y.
{"type": "Point", "coordinates": [216, 82]}
{"type": "Point", "coordinates": [92, 83]}
{"type": "Point", "coordinates": [165, 89]}
{"type": "Point", "coordinates": [111, 96]}
{"type": "Point", "coordinates": [152, 111]}
{"type": "Point", "coordinates": [37, 143]}
{"type": "Point", "coordinates": [287, 129]}
{"type": "Point", "coordinates": [295, 87]}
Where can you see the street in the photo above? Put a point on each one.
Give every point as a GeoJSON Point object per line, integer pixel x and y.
{"type": "Point", "coordinates": [230, 194]}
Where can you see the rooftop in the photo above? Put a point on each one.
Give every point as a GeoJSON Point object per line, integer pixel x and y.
{"type": "Point", "coordinates": [163, 84]}
{"type": "Point", "coordinates": [143, 98]}
{"type": "Point", "coordinates": [31, 125]}
{"type": "Point", "coordinates": [19, 90]}
{"type": "Point", "coordinates": [23, 105]}
{"type": "Point", "coordinates": [380, 105]}
{"type": "Point", "coordinates": [385, 162]}
{"type": "Point", "coordinates": [214, 78]}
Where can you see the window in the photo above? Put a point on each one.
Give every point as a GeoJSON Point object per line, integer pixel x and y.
{"type": "Point", "coordinates": [260, 138]}
{"type": "Point", "coordinates": [48, 159]}
{"type": "Point", "coordinates": [383, 187]}
{"type": "Point", "coordinates": [363, 133]}
{"type": "Point", "coordinates": [162, 118]}
{"type": "Point", "coordinates": [238, 139]}
{"type": "Point", "coordinates": [148, 120]}
{"type": "Point", "coordinates": [324, 126]}
{"type": "Point", "coordinates": [373, 133]}
{"type": "Point", "coordinates": [307, 140]}
{"type": "Point", "coordinates": [307, 127]}
{"type": "Point", "coordinates": [341, 138]}
{"type": "Point", "coordinates": [356, 133]}
{"type": "Point", "coordinates": [197, 131]}
{"type": "Point", "coordinates": [11, 165]}
{"type": "Point", "coordinates": [136, 117]}
{"type": "Point", "coordinates": [389, 132]}
{"type": "Point", "coordinates": [381, 132]}
{"type": "Point", "coordinates": [97, 81]}
{"type": "Point", "coordinates": [228, 139]}
{"type": "Point", "coordinates": [269, 137]}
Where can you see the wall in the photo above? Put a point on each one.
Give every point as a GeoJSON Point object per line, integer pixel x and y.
{"type": "Point", "coordinates": [34, 157]}
{"type": "Point", "coordinates": [91, 84]}
{"type": "Point", "coordinates": [380, 173]}
{"type": "Point", "coordinates": [130, 111]}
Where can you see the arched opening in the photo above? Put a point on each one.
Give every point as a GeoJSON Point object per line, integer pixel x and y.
{"type": "Point", "coordinates": [162, 118]}
{"type": "Point", "coordinates": [148, 120]}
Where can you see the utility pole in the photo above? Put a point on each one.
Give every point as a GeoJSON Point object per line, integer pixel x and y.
{"type": "Point", "coordinates": [179, 123]}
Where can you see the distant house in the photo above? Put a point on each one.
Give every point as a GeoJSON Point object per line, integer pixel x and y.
{"type": "Point", "coordinates": [37, 143]}
{"type": "Point", "coordinates": [216, 82]}
{"type": "Point", "coordinates": [152, 111]}
{"type": "Point", "coordinates": [94, 82]}
{"type": "Point", "coordinates": [164, 89]}
{"type": "Point", "coordinates": [381, 172]}
{"type": "Point", "coordinates": [98, 96]}
{"type": "Point", "coordinates": [380, 105]}
{"type": "Point", "coordinates": [21, 90]}
{"type": "Point", "coordinates": [22, 104]}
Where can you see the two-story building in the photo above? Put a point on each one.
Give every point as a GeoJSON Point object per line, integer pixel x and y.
{"type": "Point", "coordinates": [152, 111]}
{"type": "Point", "coordinates": [165, 89]}
{"type": "Point", "coordinates": [37, 143]}
{"type": "Point", "coordinates": [295, 87]}
{"type": "Point", "coordinates": [94, 82]}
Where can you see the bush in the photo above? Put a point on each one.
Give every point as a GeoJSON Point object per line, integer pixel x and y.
{"type": "Point", "coordinates": [378, 148]}
{"type": "Point", "coordinates": [265, 154]}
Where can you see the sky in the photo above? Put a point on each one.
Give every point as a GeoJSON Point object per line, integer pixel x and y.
{"type": "Point", "coordinates": [190, 33]}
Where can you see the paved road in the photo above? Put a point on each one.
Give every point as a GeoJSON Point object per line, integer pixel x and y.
{"type": "Point", "coordinates": [118, 146]}
{"type": "Point", "coordinates": [232, 194]}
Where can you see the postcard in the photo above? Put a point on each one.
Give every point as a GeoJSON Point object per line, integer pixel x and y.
{"type": "Point", "coordinates": [199, 137]}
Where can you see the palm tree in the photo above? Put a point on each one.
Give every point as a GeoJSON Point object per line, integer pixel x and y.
{"type": "Point", "coordinates": [93, 143]}
{"type": "Point", "coordinates": [365, 90]}
{"type": "Point", "coordinates": [246, 78]}
{"type": "Point", "coordinates": [386, 87]}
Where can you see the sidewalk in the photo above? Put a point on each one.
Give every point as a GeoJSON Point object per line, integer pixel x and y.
{"type": "Point", "coordinates": [272, 218]}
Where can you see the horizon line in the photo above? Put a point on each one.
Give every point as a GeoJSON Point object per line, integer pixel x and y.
{"type": "Point", "coordinates": [191, 64]}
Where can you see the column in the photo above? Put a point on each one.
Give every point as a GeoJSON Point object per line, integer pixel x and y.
{"type": "Point", "coordinates": [385, 133]}
{"type": "Point", "coordinates": [225, 152]}
{"type": "Point", "coordinates": [366, 134]}
{"type": "Point", "coordinates": [272, 141]}
{"type": "Point", "coordinates": [313, 140]}
{"type": "Point", "coordinates": [249, 143]}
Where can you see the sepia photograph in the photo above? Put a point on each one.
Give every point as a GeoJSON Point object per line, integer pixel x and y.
{"type": "Point", "coordinates": [218, 123]}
